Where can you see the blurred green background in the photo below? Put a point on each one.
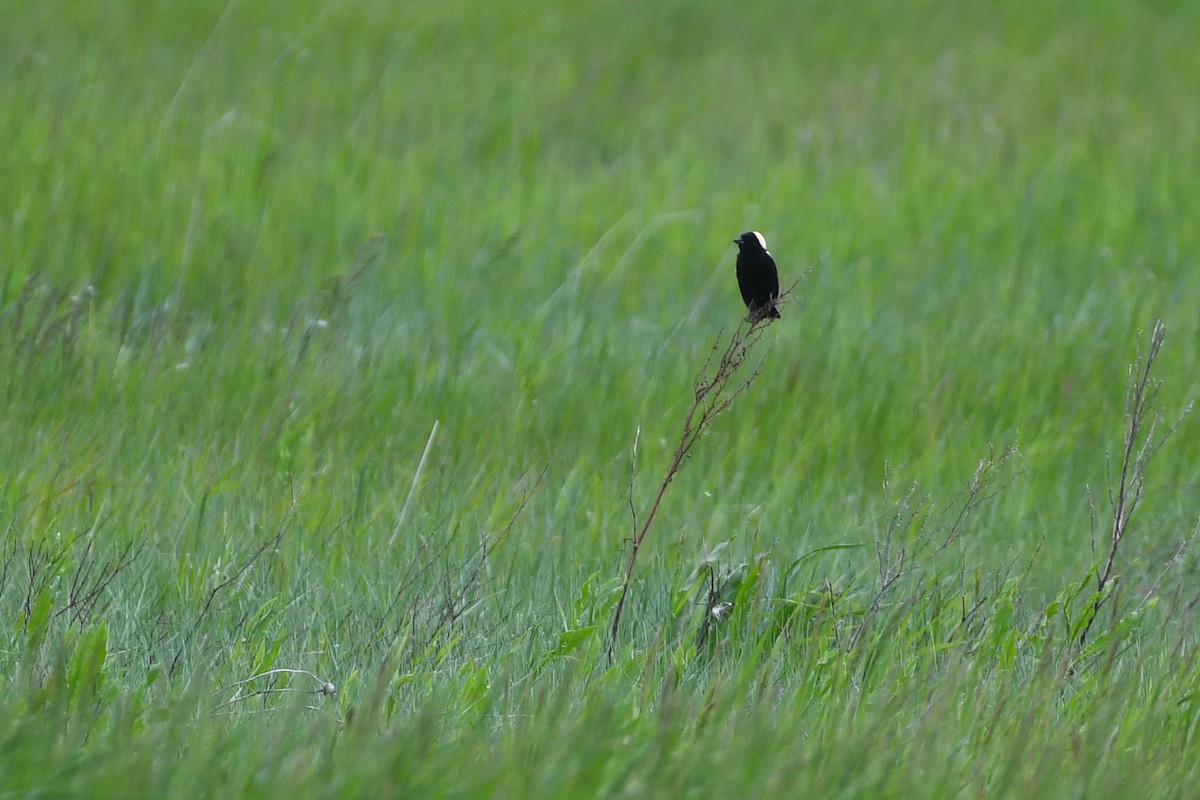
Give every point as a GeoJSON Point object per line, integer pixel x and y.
{"type": "Point", "coordinates": [252, 252]}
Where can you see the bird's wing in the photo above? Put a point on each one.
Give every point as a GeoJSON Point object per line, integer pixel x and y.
{"type": "Point", "coordinates": [744, 280]}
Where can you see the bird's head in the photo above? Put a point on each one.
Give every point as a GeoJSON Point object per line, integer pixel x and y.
{"type": "Point", "coordinates": [751, 242]}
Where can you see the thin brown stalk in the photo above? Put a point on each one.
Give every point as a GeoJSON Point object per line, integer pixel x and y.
{"type": "Point", "coordinates": [1143, 439]}
{"type": "Point", "coordinates": [718, 385]}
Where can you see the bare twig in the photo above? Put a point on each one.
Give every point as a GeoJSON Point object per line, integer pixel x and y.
{"type": "Point", "coordinates": [86, 587]}
{"type": "Point", "coordinates": [1143, 439]}
{"type": "Point", "coordinates": [456, 598]}
{"type": "Point", "coordinates": [1172, 561]}
{"type": "Point", "coordinates": [270, 543]}
{"type": "Point", "coordinates": [717, 386]}
{"type": "Point", "coordinates": [913, 510]}
{"type": "Point", "coordinates": [457, 602]}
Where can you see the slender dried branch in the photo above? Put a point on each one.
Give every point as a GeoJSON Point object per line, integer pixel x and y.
{"type": "Point", "coordinates": [1172, 561]}
{"type": "Point", "coordinates": [718, 385]}
{"type": "Point", "coordinates": [1144, 437]}
{"type": "Point", "coordinates": [915, 511]}
{"type": "Point", "coordinates": [458, 584]}
{"type": "Point", "coordinates": [268, 544]}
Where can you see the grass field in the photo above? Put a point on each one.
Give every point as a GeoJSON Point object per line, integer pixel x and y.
{"type": "Point", "coordinates": [327, 331]}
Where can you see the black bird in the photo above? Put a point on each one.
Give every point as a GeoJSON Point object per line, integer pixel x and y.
{"type": "Point", "coordinates": [757, 277]}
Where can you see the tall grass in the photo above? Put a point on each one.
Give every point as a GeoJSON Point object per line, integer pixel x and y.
{"type": "Point", "coordinates": [326, 332]}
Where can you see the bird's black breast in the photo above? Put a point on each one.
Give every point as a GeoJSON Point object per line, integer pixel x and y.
{"type": "Point", "coordinates": [758, 279]}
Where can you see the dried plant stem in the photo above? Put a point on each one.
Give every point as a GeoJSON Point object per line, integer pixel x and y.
{"type": "Point", "coordinates": [1143, 438]}
{"type": "Point", "coordinates": [717, 386]}
{"type": "Point", "coordinates": [901, 553]}
{"type": "Point", "coordinates": [268, 544]}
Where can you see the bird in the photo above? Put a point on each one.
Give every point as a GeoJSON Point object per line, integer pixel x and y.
{"type": "Point", "coordinates": [757, 276]}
